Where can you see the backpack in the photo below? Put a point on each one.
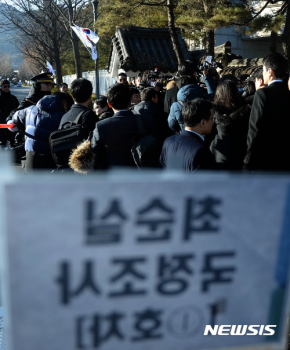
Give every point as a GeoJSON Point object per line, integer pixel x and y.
{"type": "Point", "coordinates": [147, 149]}
{"type": "Point", "coordinates": [64, 140]}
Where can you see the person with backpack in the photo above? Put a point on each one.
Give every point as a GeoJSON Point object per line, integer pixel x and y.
{"type": "Point", "coordinates": [113, 138]}
{"type": "Point", "coordinates": [81, 91]}
{"type": "Point", "coordinates": [75, 125]}
{"type": "Point", "coordinates": [39, 122]}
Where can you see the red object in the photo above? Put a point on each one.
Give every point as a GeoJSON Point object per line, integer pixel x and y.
{"type": "Point", "coordinates": [3, 126]}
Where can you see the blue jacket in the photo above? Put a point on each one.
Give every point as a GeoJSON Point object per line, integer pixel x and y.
{"type": "Point", "coordinates": [186, 93]}
{"type": "Point", "coordinates": [40, 121]}
{"type": "Point", "coordinates": [189, 93]}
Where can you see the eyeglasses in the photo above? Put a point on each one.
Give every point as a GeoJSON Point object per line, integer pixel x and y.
{"type": "Point", "coordinates": [6, 86]}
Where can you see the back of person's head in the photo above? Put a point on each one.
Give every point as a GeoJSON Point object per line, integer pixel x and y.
{"type": "Point", "coordinates": [227, 95]}
{"type": "Point", "coordinates": [278, 63]}
{"type": "Point", "coordinates": [102, 102]}
{"type": "Point", "coordinates": [65, 99]}
{"type": "Point", "coordinates": [158, 84]}
{"type": "Point", "coordinates": [134, 91]}
{"type": "Point", "coordinates": [228, 77]}
{"type": "Point", "coordinates": [258, 74]}
{"type": "Point", "coordinates": [194, 111]}
{"type": "Point", "coordinates": [186, 80]}
{"type": "Point", "coordinates": [243, 77]}
{"type": "Point", "coordinates": [81, 90]}
{"type": "Point", "coordinates": [119, 96]}
{"type": "Point", "coordinates": [148, 93]}
{"type": "Point", "coordinates": [187, 68]}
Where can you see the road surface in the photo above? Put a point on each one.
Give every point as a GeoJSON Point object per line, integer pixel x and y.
{"type": "Point", "coordinates": [20, 92]}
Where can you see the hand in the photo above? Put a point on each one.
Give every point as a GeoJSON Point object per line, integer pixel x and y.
{"type": "Point", "coordinates": [15, 127]}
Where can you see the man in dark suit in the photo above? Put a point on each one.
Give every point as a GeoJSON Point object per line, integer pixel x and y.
{"type": "Point", "coordinates": [268, 136]}
{"type": "Point", "coordinates": [81, 90]}
{"type": "Point", "coordinates": [187, 150]}
{"type": "Point", "coordinates": [114, 137]}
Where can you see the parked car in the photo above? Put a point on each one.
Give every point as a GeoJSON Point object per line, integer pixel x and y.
{"type": "Point", "coordinates": [19, 84]}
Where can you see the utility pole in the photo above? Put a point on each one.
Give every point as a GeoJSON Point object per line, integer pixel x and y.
{"type": "Point", "coordinates": [97, 84]}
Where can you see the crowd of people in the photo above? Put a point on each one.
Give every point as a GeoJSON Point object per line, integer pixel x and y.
{"type": "Point", "coordinates": [197, 121]}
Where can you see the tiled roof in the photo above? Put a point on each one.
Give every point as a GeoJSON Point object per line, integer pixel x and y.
{"type": "Point", "coordinates": [141, 49]}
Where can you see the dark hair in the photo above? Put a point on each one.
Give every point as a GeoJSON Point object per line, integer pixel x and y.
{"type": "Point", "coordinates": [5, 81]}
{"type": "Point", "coordinates": [148, 93]}
{"type": "Point", "coordinates": [187, 68]}
{"type": "Point", "coordinates": [81, 90]}
{"type": "Point", "coordinates": [119, 96]}
{"type": "Point", "coordinates": [62, 84]}
{"type": "Point", "coordinates": [194, 111]}
{"type": "Point", "coordinates": [64, 98]}
{"type": "Point", "coordinates": [243, 77]}
{"type": "Point", "coordinates": [278, 63]}
{"type": "Point", "coordinates": [227, 95]}
{"type": "Point", "coordinates": [122, 73]}
{"type": "Point", "coordinates": [185, 80]}
{"type": "Point", "coordinates": [228, 77]}
{"type": "Point", "coordinates": [134, 91]}
{"type": "Point", "coordinates": [258, 74]}
{"type": "Point", "coordinates": [102, 102]}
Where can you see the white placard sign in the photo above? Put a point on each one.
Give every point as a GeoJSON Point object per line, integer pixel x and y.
{"type": "Point", "coordinates": [138, 262]}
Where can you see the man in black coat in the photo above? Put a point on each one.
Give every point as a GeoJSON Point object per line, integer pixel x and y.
{"type": "Point", "coordinates": [187, 150]}
{"type": "Point", "coordinates": [114, 137]}
{"type": "Point", "coordinates": [268, 137]}
{"type": "Point", "coordinates": [81, 90]}
{"type": "Point", "coordinates": [8, 102]}
{"type": "Point", "coordinates": [149, 106]}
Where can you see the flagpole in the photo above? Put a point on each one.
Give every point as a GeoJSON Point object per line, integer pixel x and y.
{"type": "Point", "coordinates": [97, 83]}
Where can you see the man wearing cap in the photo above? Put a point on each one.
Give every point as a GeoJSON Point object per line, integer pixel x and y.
{"type": "Point", "coordinates": [8, 102]}
{"type": "Point", "coordinates": [42, 84]}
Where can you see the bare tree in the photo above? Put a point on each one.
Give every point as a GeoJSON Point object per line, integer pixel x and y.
{"type": "Point", "coordinates": [74, 12]}
{"type": "Point", "coordinates": [6, 66]}
{"type": "Point", "coordinates": [35, 20]}
{"type": "Point", "coordinates": [27, 70]}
